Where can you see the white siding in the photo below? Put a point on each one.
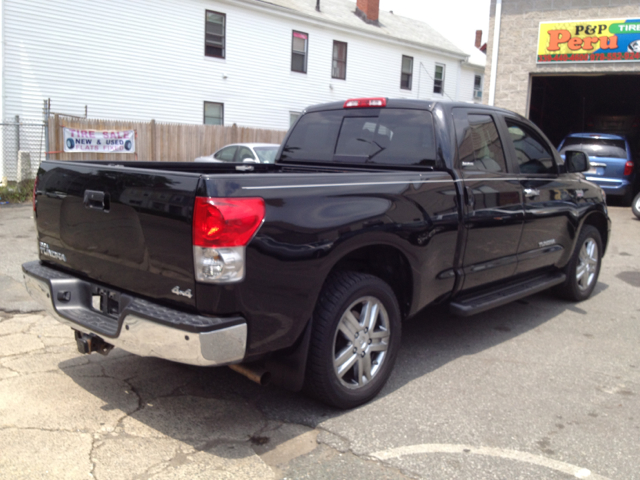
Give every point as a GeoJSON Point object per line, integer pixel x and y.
{"type": "Point", "coordinates": [145, 59]}
{"type": "Point", "coordinates": [467, 83]}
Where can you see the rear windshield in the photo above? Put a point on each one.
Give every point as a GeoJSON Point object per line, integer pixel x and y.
{"type": "Point", "coordinates": [382, 135]}
{"type": "Point", "coordinates": [266, 154]}
{"type": "Point", "coordinates": [596, 147]}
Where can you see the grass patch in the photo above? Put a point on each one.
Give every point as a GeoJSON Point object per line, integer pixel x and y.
{"type": "Point", "coordinates": [17, 193]}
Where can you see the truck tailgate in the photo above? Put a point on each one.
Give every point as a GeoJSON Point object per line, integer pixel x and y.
{"type": "Point", "coordinates": [128, 228]}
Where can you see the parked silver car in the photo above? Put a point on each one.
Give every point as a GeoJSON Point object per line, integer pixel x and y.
{"type": "Point", "coordinates": [243, 153]}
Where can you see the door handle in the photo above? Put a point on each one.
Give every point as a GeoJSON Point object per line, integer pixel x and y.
{"type": "Point", "coordinates": [531, 192]}
{"type": "Point", "coordinates": [96, 200]}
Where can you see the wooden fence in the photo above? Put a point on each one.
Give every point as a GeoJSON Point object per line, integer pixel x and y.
{"type": "Point", "coordinates": [165, 142]}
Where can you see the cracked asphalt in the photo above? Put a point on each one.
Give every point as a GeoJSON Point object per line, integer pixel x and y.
{"type": "Point", "coordinates": [541, 388]}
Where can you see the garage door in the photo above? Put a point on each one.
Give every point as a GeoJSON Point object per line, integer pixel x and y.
{"type": "Point", "coordinates": [602, 103]}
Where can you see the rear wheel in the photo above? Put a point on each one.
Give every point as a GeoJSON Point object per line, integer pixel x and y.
{"type": "Point", "coordinates": [584, 267]}
{"type": "Point", "coordinates": [355, 340]}
{"type": "Point", "coordinates": [635, 206]}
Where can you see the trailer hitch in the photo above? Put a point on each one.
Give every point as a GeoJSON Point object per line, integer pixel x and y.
{"type": "Point", "coordinates": [88, 343]}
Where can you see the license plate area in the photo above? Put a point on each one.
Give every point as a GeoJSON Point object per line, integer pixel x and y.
{"type": "Point", "coordinates": [596, 171]}
{"type": "Point", "coordinates": [105, 301]}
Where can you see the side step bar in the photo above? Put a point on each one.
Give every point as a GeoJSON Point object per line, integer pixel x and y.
{"type": "Point", "coordinates": [470, 305]}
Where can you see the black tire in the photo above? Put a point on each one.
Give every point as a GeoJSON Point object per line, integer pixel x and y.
{"type": "Point", "coordinates": [373, 350]}
{"type": "Point", "coordinates": [635, 206]}
{"type": "Point", "coordinates": [584, 267]}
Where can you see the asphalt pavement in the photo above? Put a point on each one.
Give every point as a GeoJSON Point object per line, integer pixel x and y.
{"type": "Point", "coordinates": [540, 388]}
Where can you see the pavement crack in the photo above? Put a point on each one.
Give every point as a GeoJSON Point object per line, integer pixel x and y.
{"type": "Point", "coordinates": [327, 441]}
{"type": "Point", "coordinates": [134, 390]}
{"type": "Point", "coordinates": [92, 462]}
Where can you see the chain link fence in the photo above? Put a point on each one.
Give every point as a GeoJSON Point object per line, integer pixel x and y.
{"type": "Point", "coordinates": [23, 148]}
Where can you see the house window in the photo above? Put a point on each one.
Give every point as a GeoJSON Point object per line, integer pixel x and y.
{"type": "Point", "coordinates": [299, 52]}
{"type": "Point", "coordinates": [438, 79]}
{"type": "Point", "coordinates": [293, 118]}
{"type": "Point", "coordinates": [407, 72]}
{"type": "Point", "coordinates": [214, 34]}
{"type": "Point", "coordinates": [339, 65]}
{"type": "Point", "coordinates": [477, 87]}
{"type": "Point", "coordinates": [213, 113]}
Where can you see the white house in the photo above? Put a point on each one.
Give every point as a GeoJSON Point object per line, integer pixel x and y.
{"type": "Point", "coordinates": [249, 62]}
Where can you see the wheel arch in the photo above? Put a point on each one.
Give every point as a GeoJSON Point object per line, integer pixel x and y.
{"type": "Point", "coordinates": [386, 262]}
{"type": "Point", "coordinates": [600, 221]}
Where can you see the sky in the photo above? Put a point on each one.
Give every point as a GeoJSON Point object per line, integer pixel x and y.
{"type": "Point", "coordinates": [457, 20]}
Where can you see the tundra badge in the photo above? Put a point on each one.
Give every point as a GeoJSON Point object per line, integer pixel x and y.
{"type": "Point", "coordinates": [47, 252]}
{"type": "Point", "coordinates": [184, 293]}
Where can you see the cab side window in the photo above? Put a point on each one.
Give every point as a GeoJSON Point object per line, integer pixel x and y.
{"type": "Point", "coordinates": [479, 145]}
{"type": "Point", "coordinates": [532, 153]}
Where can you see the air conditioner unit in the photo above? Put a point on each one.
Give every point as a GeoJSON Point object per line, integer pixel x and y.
{"type": "Point", "coordinates": [477, 94]}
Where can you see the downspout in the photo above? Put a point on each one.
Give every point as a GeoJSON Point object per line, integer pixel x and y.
{"type": "Point", "coordinates": [3, 174]}
{"type": "Point", "coordinates": [459, 73]}
{"type": "Point", "coordinates": [494, 54]}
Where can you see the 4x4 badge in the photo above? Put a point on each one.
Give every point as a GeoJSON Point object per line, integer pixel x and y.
{"type": "Point", "coordinates": [184, 293]}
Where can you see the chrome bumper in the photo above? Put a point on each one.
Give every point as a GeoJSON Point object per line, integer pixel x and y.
{"type": "Point", "coordinates": [142, 328]}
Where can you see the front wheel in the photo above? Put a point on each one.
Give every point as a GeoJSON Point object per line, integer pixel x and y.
{"type": "Point", "coordinates": [635, 206]}
{"type": "Point", "coordinates": [584, 267]}
{"type": "Point", "coordinates": [355, 340]}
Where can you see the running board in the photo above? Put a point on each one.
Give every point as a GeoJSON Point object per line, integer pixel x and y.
{"type": "Point", "coordinates": [470, 305]}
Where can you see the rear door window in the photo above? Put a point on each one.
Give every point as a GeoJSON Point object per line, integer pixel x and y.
{"type": "Point", "coordinates": [383, 136]}
{"type": "Point", "coordinates": [479, 144]}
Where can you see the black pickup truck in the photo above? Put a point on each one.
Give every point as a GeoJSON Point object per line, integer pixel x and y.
{"type": "Point", "coordinates": [303, 270]}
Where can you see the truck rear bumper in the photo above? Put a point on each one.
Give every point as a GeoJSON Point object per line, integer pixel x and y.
{"type": "Point", "coordinates": [134, 324]}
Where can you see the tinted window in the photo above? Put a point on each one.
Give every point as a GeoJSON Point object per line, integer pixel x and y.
{"type": "Point", "coordinates": [479, 145]}
{"type": "Point", "coordinates": [314, 137]}
{"type": "Point", "coordinates": [226, 154]}
{"type": "Point", "coordinates": [532, 153]}
{"type": "Point", "coordinates": [266, 154]}
{"type": "Point", "coordinates": [596, 147]}
{"type": "Point", "coordinates": [385, 136]}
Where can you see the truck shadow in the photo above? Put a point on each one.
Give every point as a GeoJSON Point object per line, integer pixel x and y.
{"type": "Point", "coordinates": [205, 407]}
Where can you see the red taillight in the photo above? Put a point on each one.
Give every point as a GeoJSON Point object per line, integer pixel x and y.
{"type": "Point", "coordinates": [365, 102]}
{"type": "Point", "coordinates": [628, 168]}
{"type": "Point", "coordinates": [226, 222]}
{"type": "Point", "coordinates": [35, 188]}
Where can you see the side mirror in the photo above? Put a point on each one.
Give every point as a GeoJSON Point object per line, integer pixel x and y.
{"type": "Point", "coordinates": [576, 161]}
{"type": "Point", "coordinates": [249, 160]}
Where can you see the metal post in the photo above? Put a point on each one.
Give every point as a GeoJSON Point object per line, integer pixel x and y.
{"type": "Point", "coordinates": [45, 119]}
{"type": "Point", "coordinates": [17, 134]}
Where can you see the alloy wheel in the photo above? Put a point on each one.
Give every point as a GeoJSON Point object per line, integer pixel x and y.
{"type": "Point", "coordinates": [587, 268]}
{"type": "Point", "coordinates": [361, 342]}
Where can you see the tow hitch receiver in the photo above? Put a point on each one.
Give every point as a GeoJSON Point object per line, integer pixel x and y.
{"type": "Point", "coordinates": [88, 343]}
